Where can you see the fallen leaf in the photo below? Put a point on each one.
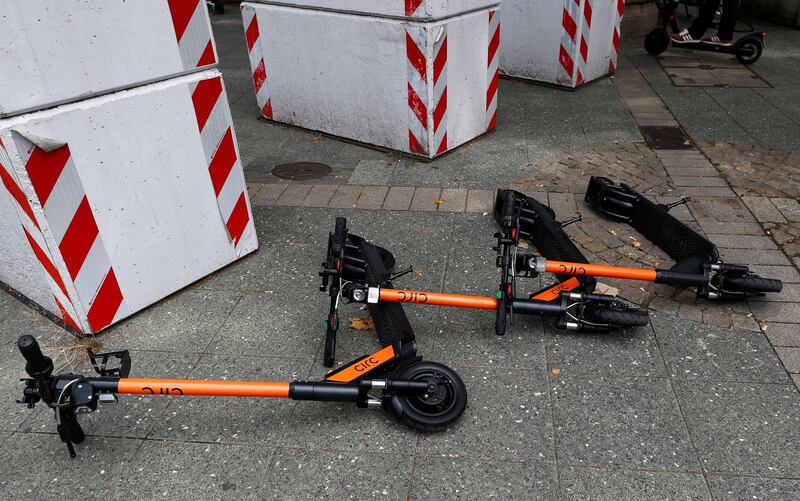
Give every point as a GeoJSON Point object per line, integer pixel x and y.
{"type": "Point", "coordinates": [712, 144]}
{"type": "Point", "coordinates": [635, 243]}
{"type": "Point", "coordinates": [764, 328]}
{"type": "Point", "coordinates": [687, 142]}
{"type": "Point", "coordinates": [555, 371]}
{"type": "Point", "coordinates": [318, 137]}
{"type": "Point", "coordinates": [418, 271]}
{"type": "Point", "coordinates": [361, 323]}
{"type": "Point", "coordinates": [749, 315]}
{"type": "Point", "coordinates": [439, 202]}
{"type": "Point", "coordinates": [606, 289]}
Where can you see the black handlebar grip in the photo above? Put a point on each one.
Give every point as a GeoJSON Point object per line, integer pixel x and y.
{"type": "Point", "coordinates": [37, 363]}
{"type": "Point", "coordinates": [340, 232]}
{"type": "Point", "coordinates": [509, 199]}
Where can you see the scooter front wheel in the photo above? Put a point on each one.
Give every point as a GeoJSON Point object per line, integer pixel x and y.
{"type": "Point", "coordinates": [749, 50]}
{"type": "Point", "coordinates": [656, 42]}
{"type": "Point", "coordinates": [437, 409]}
{"type": "Point", "coordinates": [617, 317]}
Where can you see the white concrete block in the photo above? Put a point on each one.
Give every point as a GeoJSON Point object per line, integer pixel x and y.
{"type": "Point", "coordinates": [561, 42]}
{"type": "Point", "coordinates": [112, 203]}
{"type": "Point", "coordinates": [418, 87]}
{"type": "Point", "coordinates": [53, 52]}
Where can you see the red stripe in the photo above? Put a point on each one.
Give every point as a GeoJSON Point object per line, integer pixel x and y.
{"type": "Point", "coordinates": [17, 194]}
{"type": "Point", "coordinates": [182, 11]}
{"type": "Point", "coordinates": [222, 162]}
{"type": "Point", "coordinates": [259, 75]}
{"type": "Point", "coordinates": [492, 90]}
{"type": "Point", "coordinates": [569, 25]}
{"type": "Point", "coordinates": [411, 6]}
{"type": "Point", "coordinates": [584, 49]}
{"type": "Point", "coordinates": [491, 15]}
{"type": "Point", "coordinates": [441, 108]}
{"type": "Point", "coordinates": [65, 316]}
{"type": "Point", "coordinates": [620, 7]}
{"type": "Point", "coordinates": [204, 98]}
{"type": "Point", "coordinates": [587, 14]}
{"type": "Point", "coordinates": [494, 43]}
{"type": "Point", "coordinates": [44, 169]}
{"type": "Point", "coordinates": [566, 61]}
{"type": "Point", "coordinates": [238, 220]}
{"type": "Point", "coordinates": [440, 61]}
{"type": "Point", "coordinates": [611, 67]}
{"type": "Point", "coordinates": [442, 145]}
{"type": "Point", "coordinates": [208, 56]}
{"type": "Point", "coordinates": [413, 144]}
{"type": "Point", "coordinates": [616, 40]}
{"type": "Point", "coordinates": [106, 303]}
{"type": "Point", "coordinates": [252, 33]}
{"type": "Point", "coordinates": [580, 78]}
{"type": "Point", "coordinates": [78, 239]}
{"type": "Point", "coordinates": [266, 111]}
{"type": "Point", "coordinates": [416, 56]}
{"type": "Point", "coordinates": [492, 122]}
{"type": "Point", "coordinates": [417, 106]}
{"type": "Point", "coordinates": [47, 264]}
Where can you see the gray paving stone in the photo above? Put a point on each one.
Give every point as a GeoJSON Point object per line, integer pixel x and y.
{"type": "Point", "coordinates": [614, 484]}
{"type": "Point", "coordinates": [790, 358]}
{"type": "Point", "coordinates": [620, 422]}
{"type": "Point", "coordinates": [763, 210]}
{"type": "Point", "coordinates": [631, 352]}
{"type": "Point", "coordinates": [698, 181]}
{"type": "Point", "coordinates": [272, 325]}
{"type": "Point", "coordinates": [194, 471]}
{"type": "Point", "coordinates": [425, 199]}
{"type": "Point", "coordinates": [783, 334]}
{"type": "Point", "coordinates": [516, 426]}
{"type": "Point", "coordinates": [268, 194]}
{"type": "Point", "coordinates": [299, 474]}
{"type": "Point", "coordinates": [278, 227]}
{"type": "Point", "coordinates": [372, 197]}
{"type": "Point", "coordinates": [455, 200]}
{"type": "Point", "coordinates": [346, 196]}
{"type": "Point", "coordinates": [744, 428]}
{"type": "Point", "coordinates": [694, 350]}
{"type": "Point", "coordinates": [231, 419]}
{"type": "Point", "coordinates": [750, 256]}
{"type": "Point", "coordinates": [726, 228]}
{"type": "Point", "coordinates": [465, 478]}
{"type": "Point", "coordinates": [703, 191]}
{"type": "Point", "coordinates": [37, 466]}
{"type": "Point", "coordinates": [246, 274]}
{"type": "Point", "coordinates": [319, 196]}
{"type": "Point", "coordinates": [777, 312]}
{"type": "Point", "coordinates": [291, 267]}
{"type": "Point", "coordinates": [789, 208]}
{"type": "Point", "coordinates": [729, 488]}
{"type": "Point", "coordinates": [293, 195]}
{"type": "Point", "coordinates": [480, 200]}
{"type": "Point", "coordinates": [372, 172]}
{"type": "Point", "coordinates": [743, 242]}
{"type": "Point", "coordinates": [692, 171]}
{"type": "Point", "coordinates": [398, 198]}
{"type": "Point", "coordinates": [471, 267]}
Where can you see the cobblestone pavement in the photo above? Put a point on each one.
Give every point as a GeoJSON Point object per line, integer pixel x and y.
{"type": "Point", "coordinates": [701, 404]}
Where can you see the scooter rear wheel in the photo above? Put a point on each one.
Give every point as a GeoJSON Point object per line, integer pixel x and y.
{"type": "Point", "coordinates": [437, 409]}
{"type": "Point", "coordinates": [656, 42]}
{"type": "Point", "coordinates": [619, 317]}
{"type": "Point", "coordinates": [749, 50]}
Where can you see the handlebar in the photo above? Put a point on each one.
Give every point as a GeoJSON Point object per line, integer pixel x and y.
{"type": "Point", "coordinates": [37, 364]}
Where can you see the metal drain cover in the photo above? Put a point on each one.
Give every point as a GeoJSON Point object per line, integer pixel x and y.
{"type": "Point", "coordinates": [301, 170]}
{"type": "Point", "coordinates": [666, 138]}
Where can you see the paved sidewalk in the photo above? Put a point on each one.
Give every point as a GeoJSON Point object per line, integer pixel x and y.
{"type": "Point", "coordinates": [701, 404]}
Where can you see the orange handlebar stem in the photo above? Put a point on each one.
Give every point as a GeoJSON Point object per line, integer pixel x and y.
{"type": "Point", "coordinates": [204, 388]}
{"type": "Point", "coordinates": [599, 270]}
{"type": "Point", "coordinates": [438, 299]}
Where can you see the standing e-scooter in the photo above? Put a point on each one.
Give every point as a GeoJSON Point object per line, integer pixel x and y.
{"type": "Point", "coordinates": [747, 49]}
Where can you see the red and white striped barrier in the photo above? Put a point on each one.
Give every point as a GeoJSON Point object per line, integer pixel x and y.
{"type": "Point", "coordinates": [567, 43]}
{"type": "Point", "coordinates": [119, 200]}
{"type": "Point", "coordinates": [418, 87]}
{"type": "Point", "coordinates": [73, 49]}
{"type": "Point", "coordinates": [426, 10]}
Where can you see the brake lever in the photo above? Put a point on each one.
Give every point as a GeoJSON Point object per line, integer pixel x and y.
{"type": "Point", "coordinates": [401, 273]}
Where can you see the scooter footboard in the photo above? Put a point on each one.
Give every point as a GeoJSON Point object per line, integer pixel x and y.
{"type": "Point", "coordinates": [689, 249]}
{"type": "Point", "coordinates": [538, 225]}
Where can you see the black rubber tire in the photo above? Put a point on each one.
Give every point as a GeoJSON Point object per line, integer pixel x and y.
{"type": "Point", "coordinates": [753, 283]}
{"type": "Point", "coordinates": [387, 258]}
{"type": "Point", "coordinates": [419, 414]}
{"type": "Point", "coordinates": [749, 51]}
{"type": "Point", "coordinates": [501, 320]}
{"type": "Point", "coordinates": [656, 42]}
{"type": "Point", "coordinates": [620, 317]}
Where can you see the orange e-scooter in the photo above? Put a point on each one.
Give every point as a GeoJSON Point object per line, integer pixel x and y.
{"type": "Point", "coordinates": [697, 259]}
{"type": "Point", "coordinates": [354, 281]}
{"type": "Point", "coordinates": [424, 395]}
